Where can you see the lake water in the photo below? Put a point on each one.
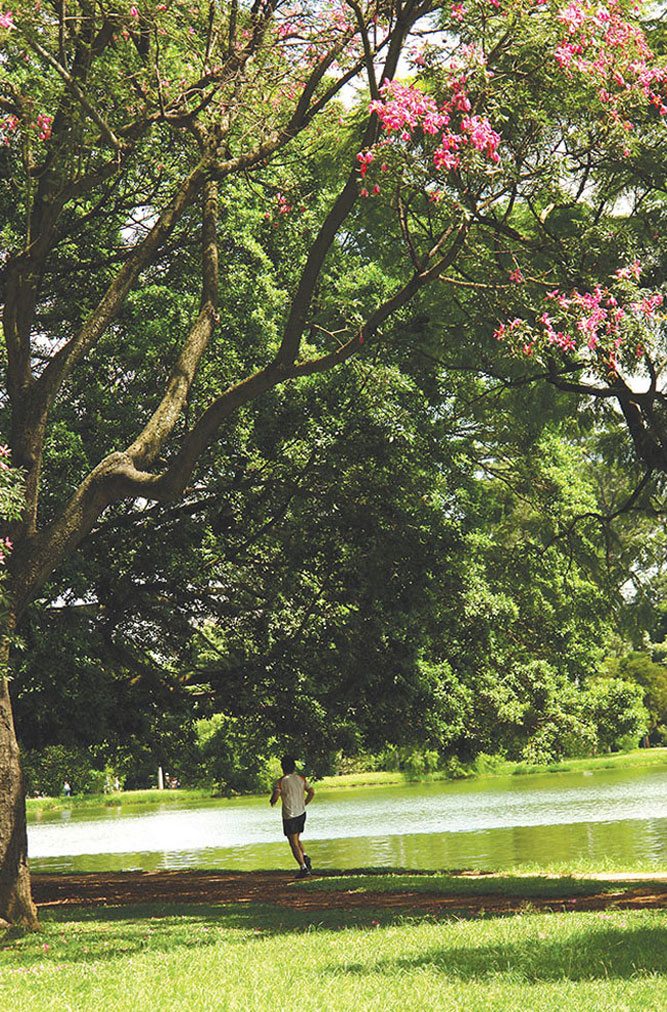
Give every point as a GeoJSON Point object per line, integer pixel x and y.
{"type": "Point", "coordinates": [491, 823]}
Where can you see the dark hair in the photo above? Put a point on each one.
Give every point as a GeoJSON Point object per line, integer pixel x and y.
{"type": "Point", "coordinates": [288, 763]}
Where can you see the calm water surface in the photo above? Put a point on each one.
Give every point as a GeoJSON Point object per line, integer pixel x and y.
{"type": "Point", "coordinates": [495, 823]}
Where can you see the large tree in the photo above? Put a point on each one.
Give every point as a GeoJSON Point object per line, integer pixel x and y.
{"type": "Point", "coordinates": [126, 130]}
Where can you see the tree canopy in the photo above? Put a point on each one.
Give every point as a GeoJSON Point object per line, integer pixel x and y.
{"type": "Point", "coordinates": [209, 207]}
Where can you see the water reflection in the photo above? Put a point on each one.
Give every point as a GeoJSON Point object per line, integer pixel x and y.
{"type": "Point", "coordinates": [621, 815]}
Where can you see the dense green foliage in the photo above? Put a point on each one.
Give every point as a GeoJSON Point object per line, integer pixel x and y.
{"type": "Point", "coordinates": [439, 547]}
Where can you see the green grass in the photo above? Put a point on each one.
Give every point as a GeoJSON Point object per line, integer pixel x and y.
{"type": "Point", "coordinates": [256, 959]}
{"type": "Point", "coordinates": [536, 886]}
{"type": "Point", "coordinates": [37, 805]}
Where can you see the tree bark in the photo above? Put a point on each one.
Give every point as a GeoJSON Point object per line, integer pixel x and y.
{"type": "Point", "coordinates": [16, 903]}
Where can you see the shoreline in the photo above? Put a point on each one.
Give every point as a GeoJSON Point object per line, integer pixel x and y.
{"type": "Point", "coordinates": [637, 759]}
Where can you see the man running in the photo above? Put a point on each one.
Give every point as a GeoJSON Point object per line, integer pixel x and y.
{"type": "Point", "coordinates": [295, 793]}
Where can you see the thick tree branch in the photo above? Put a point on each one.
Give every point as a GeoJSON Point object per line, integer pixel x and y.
{"type": "Point", "coordinates": [107, 309]}
{"type": "Point", "coordinates": [300, 307]}
{"type": "Point", "coordinates": [146, 447]}
{"type": "Point", "coordinates": [388, 308]}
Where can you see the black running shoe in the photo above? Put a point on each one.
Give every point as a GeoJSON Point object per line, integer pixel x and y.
{"type": "Point", "coordinates": [308, 863]}
{"type": "Point", "coordinates": [302, 873]}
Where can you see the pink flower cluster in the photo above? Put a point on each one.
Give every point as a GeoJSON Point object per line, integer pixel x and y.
{"type": "Point", "coordinates": [612, 51]}
{"type": "Point", "coordinates": [44, 124]}
{"type": "Point", "coordinates": [7, 20]}
{"type": "Point", "coordinates": [5, 548]}
{"type": "Point", "coordinates": [482, 137]}
{"type": "Point", "coordinates": [597, 317]}
{"type": "Point", "coordinates": [591, 321]}
{"type": "Point", "coordinates": [630, 272]}
{"type": "Point", "coordinates": [8, 127]}
{"type": "Point", "coordinates": [402, 109]}
{"type": "Point", "coordinates": [364, 158]}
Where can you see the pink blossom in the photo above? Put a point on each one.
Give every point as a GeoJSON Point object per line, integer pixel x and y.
{"type": "Point", "coordinates": [573, 16]}
{"type": "Point", "coordinates": [365, 159]}
{"type": "Point", "coordinates": [647, 305]}
{"type": "Point", "coordinates": [630, 271]}
{"type": "Point", "coordinates": [613, 52]}
{"type": "Point", "coordinates": [44, 123]}
{"type": "Point", "coordinates": [402, 109]}
{"type": "Point", "coordinates": [482, 136]}
{"type": "Point", "coordinates": [517, 276]}
{"type": "Point", "coordinates": [8, 126]}
{"type": "Point", "coordinates": [445, 159]}
{"type": "Point", "coordinates": [7, 20]}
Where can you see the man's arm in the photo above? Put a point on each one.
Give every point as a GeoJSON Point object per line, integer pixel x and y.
{"type": "Point", "coordinates": [276, 794]}
{"type": "Point", "coordinates": [310, 794]}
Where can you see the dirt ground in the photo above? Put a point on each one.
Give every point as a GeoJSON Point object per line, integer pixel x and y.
{"type": "Point", "coordinates": [280, 888]}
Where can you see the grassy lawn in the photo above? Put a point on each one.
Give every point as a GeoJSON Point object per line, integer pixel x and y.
{"type": "Point", "coordinates": [256, 959]}
{"type": "Point", "coordinates": [36, 806]}
{"type": "Point", "coordinates": [523, 886]}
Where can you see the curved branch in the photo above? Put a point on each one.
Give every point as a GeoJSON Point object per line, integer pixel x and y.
{"type": "Point", "coordinates": [146, 447]}
{"type": "Point", "coordinates": [111, 302]}
{"type": "Point", "coordinates": [603, 518]}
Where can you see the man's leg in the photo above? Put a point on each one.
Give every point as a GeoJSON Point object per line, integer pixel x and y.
{"type": "Point", "coordinates": [297, 849]}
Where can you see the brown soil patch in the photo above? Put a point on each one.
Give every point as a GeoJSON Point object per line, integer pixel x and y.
{"type": "Point", "coordinates": [280, 889]}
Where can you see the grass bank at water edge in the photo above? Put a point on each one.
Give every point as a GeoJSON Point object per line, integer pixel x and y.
{"type": "Point", "coordinates": [640, 758]}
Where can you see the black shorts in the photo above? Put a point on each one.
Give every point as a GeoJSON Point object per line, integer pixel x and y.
{"type": "Point", "coordinates": [292, 826]}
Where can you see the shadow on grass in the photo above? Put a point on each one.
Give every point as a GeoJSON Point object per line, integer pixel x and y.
{"type": "Point", "coordinates": [90, 935]}
{"type": "Point", "coordinates": [605, 953]}
{"type": "Point", "coordinates": [601, 948]}
{"type": "Point", "coordinates": [453, 883]}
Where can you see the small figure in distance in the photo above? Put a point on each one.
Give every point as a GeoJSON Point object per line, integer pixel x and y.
{"type": "Point", "coordinates": [67, 790]}
{"type": "Point", "coordinates": [295, 793]}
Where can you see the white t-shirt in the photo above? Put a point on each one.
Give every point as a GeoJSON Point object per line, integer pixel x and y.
{"type": "Point", "coordinates": [292, 789]}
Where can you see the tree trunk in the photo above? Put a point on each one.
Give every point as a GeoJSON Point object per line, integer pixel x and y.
{"type": "Point", "coordinates": [16, 904]}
